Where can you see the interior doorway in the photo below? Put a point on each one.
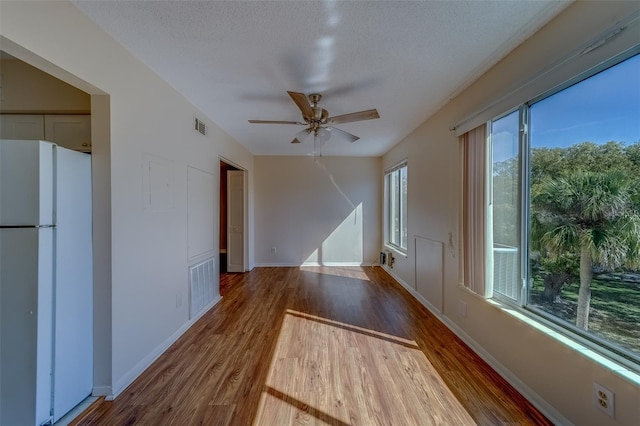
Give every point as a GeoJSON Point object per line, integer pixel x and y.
{"type": "Point", "coordinates": [67, 339]}
{"type": "Point", "coordinates": [232, 218]}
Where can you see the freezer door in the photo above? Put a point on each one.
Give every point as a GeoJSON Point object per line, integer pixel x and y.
{"type": "Point", "coordinates": [26, 182]}
{"type": "Point", "coordinates": [26, 303]}
{"type": "Point", "coordinates": [73, 333]}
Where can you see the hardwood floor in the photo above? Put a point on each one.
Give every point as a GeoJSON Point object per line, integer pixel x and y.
{"type": "Point", "coordinates": [338, 346]}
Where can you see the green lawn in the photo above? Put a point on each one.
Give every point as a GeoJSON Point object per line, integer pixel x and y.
{"type": "Point", "coordinates": [614, 314]}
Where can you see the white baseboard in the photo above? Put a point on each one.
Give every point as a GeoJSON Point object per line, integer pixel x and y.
{"type": "Point", "coordinates": [414, 293]}
{"type": "Point", "coordinates": [144, 363]}
{"type": "Point", "coordinates": [101, 391]}
{"type": "Point", "coordinates": [297, 265]}
{"type": "Point", "coordinates": [543, 406]}
{"type": "Point", "coordinates": [277, 265]}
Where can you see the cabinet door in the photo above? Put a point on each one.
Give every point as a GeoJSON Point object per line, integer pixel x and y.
{"type": "Point", "coordinates": [22, 126]}
{"type": "Point", "coordinates": [69, 131]}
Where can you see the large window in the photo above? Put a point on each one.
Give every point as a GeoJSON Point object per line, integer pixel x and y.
{"type": "Point", "coordinates": [396, 202]}
{"type": "Point", "coordinates": [564, 216]}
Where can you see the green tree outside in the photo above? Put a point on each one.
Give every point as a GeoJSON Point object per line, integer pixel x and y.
{"type": "Point", "coordinates": [589, 214]}
{"type": "Point", "coordinates": [585, 219]}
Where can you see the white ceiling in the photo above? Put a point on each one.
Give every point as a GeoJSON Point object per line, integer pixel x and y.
{"type": "Point", "coordinates": [235, 60]}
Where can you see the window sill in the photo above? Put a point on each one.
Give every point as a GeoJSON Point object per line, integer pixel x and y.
{"type": "Point", "coordinates": [564, 337]}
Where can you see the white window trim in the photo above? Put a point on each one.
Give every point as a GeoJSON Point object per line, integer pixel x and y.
{"type": "Point", "coordinates": [387, 214]}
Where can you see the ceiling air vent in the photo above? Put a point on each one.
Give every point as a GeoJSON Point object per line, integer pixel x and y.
{"type": "Point", "coordinates": [200, 126]}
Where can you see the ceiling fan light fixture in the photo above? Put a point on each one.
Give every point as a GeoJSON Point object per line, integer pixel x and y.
{"type": "Point", "coordinates": [301, 136]}
{"type": "Point", "coordinates": [320, 136]}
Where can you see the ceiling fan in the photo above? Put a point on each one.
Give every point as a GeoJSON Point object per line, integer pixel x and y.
{"type": "Point", "coordinates": [318, 120]}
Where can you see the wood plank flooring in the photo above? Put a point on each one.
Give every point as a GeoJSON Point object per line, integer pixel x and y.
{"type": "Point", "coordinates": [337, 346]}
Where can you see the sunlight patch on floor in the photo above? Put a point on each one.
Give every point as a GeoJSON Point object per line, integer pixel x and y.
{"type": "Point", "coordinates": [355, 272]}
{"type": "Point", "coordinates": [327, 372]}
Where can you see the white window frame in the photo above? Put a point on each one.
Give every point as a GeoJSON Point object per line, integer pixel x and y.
{"type": "Point", "coordinates": [388, 210]}
{"type": "Point", "coordinates": [522, 237]}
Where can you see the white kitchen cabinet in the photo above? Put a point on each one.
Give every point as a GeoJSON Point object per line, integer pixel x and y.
{"type": "Point", "coordinates": [70, 131]}
{"type": "Point", "coordinates": [22, 126]}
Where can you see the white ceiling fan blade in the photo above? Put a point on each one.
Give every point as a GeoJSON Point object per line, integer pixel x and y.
{"type": "Point", "coordinates": [369, 114]}
{"type": "Point", "coordinates": [344, 135]}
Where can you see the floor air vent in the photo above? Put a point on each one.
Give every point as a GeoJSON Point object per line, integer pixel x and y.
{"type": "Point", "coordinates": [201, 286]}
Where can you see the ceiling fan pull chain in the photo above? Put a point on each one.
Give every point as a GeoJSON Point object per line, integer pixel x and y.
{"type": "Point", "coordinates": [315, 146]}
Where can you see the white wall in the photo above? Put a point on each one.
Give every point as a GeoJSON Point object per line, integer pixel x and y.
{"type": "Point", "coordinates": [147, 118]}
{"type": "Point", "coordinates": [544, 367]}
{"type": "Point", "coordinates": [317, 212]}
{"type": "Point", "coordinates": [26, 89]}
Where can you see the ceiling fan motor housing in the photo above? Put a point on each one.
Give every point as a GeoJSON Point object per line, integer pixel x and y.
{"type": "Point", "coordinates": [320, 114]}
{"type": "Point", "coordinates": [314, 98]}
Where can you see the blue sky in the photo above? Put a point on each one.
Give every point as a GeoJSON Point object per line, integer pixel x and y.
{"type": "Point", "coordinates": [603, 108]}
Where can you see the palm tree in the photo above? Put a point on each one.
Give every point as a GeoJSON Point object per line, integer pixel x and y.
{"type": "Point", "coordinates": [591, 215]}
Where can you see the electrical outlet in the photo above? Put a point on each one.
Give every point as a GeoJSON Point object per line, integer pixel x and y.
{"type": "Point", "coordinates": [462, 308]}
{"type": "Point", "coordinates": [273, 250]}
{"type": "Point", "coordinates": [604, 399]}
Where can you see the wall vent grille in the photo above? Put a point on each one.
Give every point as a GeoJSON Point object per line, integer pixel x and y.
{"type": "Point", "coordinates": [200, 126]}
{"type": "Point", "coordinates": [201, 286]}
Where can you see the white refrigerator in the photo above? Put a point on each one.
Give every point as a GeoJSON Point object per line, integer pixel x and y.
{"type": "Point", "coordinates": [46, 281]}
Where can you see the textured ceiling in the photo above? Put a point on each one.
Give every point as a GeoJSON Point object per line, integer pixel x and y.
{"type": "Point", "coordinates": [235, 60]}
